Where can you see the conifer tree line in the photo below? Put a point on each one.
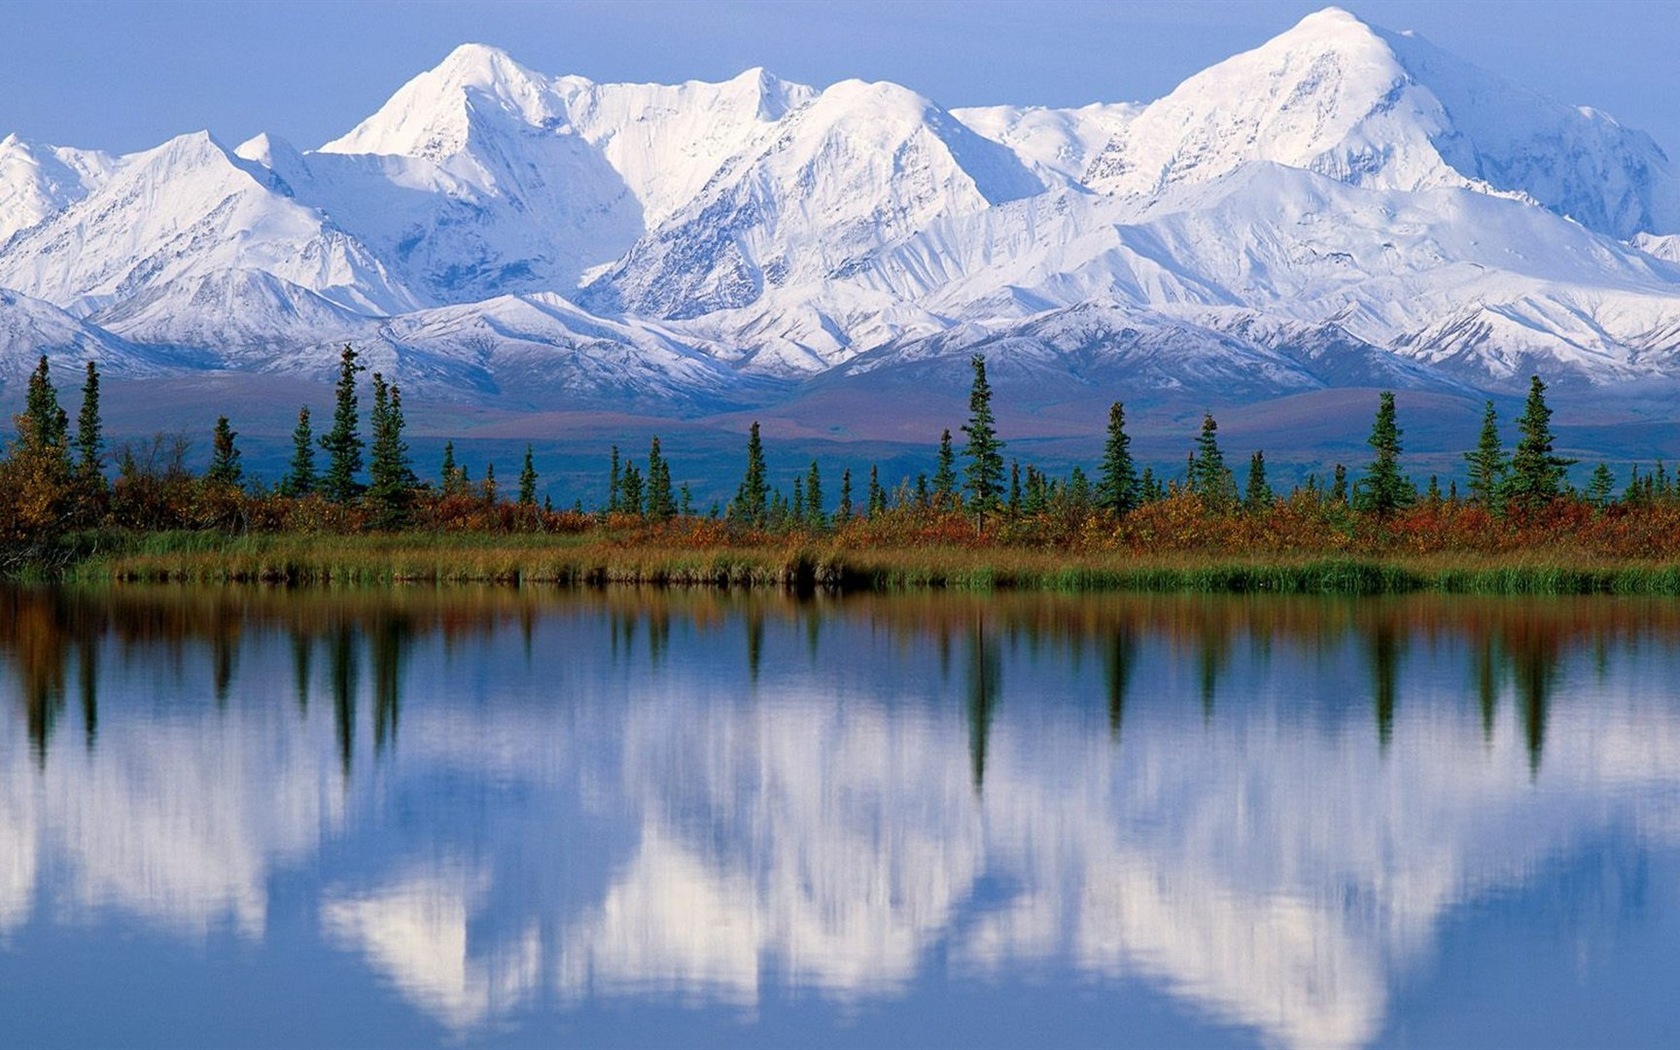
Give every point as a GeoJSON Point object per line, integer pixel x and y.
{"type": "Point", "coordinates": [56, 479]}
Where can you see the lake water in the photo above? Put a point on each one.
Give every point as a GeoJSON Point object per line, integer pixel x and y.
{"type": "Point", "coordinates": [499, 817]}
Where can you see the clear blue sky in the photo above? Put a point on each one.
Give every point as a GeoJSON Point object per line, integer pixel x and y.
{"type": "Point", "coordinates": [124, 76]}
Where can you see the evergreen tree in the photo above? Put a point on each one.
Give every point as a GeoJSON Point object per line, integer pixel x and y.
{"type": "Point", "coordinates": [390, 479]}
{"type": "Point", "coordinates": [661, 503]}
{"type": "Point", "coordinates": [300, 473]}
{"type": "Point", "coordinates": [43, 424]}
{"type": "Point", "coordinates": [1487, 462]}
{"type": "Point", "coordinates": [1258, 495]}
{"type": "Point", "coordinates": [36, 476]}
{"type": "Point", "coordinates": [798, 509]}
{"type": "Point", "coordinates": [615, 482]}
{"type": "Point", "coordinates": [1600, 486]}
{"type": "Point", "coordinates": [1536, 475]}
{"type": "Point", "coordinates": [1149, 488]}
{"type": "Point", "coordinates": [984, 473]}
{"type": "Point", "coordinates": [945, 477]}
{"type": "Point", "coordinates": [528, 480]}
{"type": "Point", "coordinates": [1433, 496]}
{"type": "Point", "coordinates": [1339, 485]}
{"type": "Point", "coordinates": [343, 444]}
{"type": "Point", "coordinates": [1014, 505]}
{"type": "Point", "coordinates": [630, 491]}
{"type": "Point", "coordinates": [687, 505]}
{"type": "Point", "coordinates": [815, 516]}
{"type": "Point", "coordinates": [1206, 473]}
{"type": "Point", "coordinates": [924, 497]}
{"type": "Point", "coordinates": [845, 512]}
{"type": "Point", "coordinates": [1384, 490]}
{"type": "Point", "coordinates": [751, 499]}
{"type": "Point", "coordinates": [1079, 489]}
{"type": "Point", "coordinates": [224, 456]}
{"type": "Point", "coordinates": [90, 439]}
{"type": "Point", "coordinates": [877, 495]}
{"type": "Point", "coordinates": [488, 486]}
{"type": "Point", "coordinates": [1117, 484]}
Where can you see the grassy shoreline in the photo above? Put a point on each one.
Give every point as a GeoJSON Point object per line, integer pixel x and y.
{"type": "Point", "coordinates": [594, 559]}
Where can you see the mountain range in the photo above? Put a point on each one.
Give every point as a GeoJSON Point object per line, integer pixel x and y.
{"type": "Point", "coordinates": [1343, 206]}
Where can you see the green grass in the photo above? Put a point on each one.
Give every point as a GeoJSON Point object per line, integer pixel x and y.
{"type": "Point", "coordinates": [595, 559]}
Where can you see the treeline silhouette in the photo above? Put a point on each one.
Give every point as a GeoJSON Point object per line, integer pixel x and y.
{"type": "Point", "coordinates": [58, 483]}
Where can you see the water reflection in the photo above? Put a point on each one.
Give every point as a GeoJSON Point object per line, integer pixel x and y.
{"type": "Point", "coordinates": [508, 802]}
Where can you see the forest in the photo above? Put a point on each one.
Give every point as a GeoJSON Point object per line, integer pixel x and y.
{"type": "Point", "coordinates": [351, 507]}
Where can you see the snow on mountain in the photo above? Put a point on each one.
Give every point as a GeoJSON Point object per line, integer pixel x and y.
{"type": "Point", "coordinates": [856, 169]}
{"type": "Point", "coordinates": [1057, 144]}
{"type": "Point", "coordinates": [30, 328]}
{"type": "Point", "coordinates": [524, 181]}
{"type": "Point", "coordinates": [1341, 205]}
{"type": "Point", "coordinates": [39, 181]}
{"type": "Point", "coordinates": [1390, 111]}
{"type": "Point", "coordinates": [167, 222]}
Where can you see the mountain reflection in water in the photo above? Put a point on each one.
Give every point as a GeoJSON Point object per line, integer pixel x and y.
{"type": "Point", "coordinates": [511, 804]}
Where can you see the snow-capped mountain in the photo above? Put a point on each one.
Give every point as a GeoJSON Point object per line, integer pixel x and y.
{"type": "Point", "coordinates": [1343, 205]}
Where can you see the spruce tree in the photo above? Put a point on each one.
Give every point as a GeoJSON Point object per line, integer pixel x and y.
{"type": "Point", "coordinates": [845, 512]}
{"type": "Point", "coordinates": [1206, 473]}
{"type": "Point", "coordinates": [1117, 484]}
{"type": "Point", "coordinates": [1258, 495]}
{"type": "Point", "coordinates": [945, 474]}
{"type": "Point", "coordinates": [1487, 462]}
{"type": "Point", "coordinates": [1339, 485]}
{"type": "Point", "coordinates": [343, 443]}
{"type": "Point", "coordinates": [877, 495]}
{"type": "Point", "coordinates": [815, 515]}
{"type": "Point", "coordinates": [1536, 475]}
{"type": "Point", "coordinates": [390, 479]}
{"type": "Point", "coordinates": [983, 476]}
{"type": "Point", "coordinates": [798, 508]}
{"type": "Point", "coordinates": [1384, 490]}
{"type": "Point", "coordinates": [38, 469]}
{"type": "Point", "coordinates": [224, 456]}
{"type": "Point", "coordinates": [488, 488]}
{"type": "Point", "coordinates": [630, 491]}
{"type": "Point", "coordinates": [300, 473]}
{"type": "Point", "coordinates": [615, 482]}
{"type": "Point", "coordinates": [661, 503]}
{"type": "Point", "coordinates": [43, 425]}
{"type": "Point", "coordinates": [528, 480]}
{"type": "Point", "coordinates": [1600, 486]}
{"type": "Point", "coordinates": [90, 439]}
{"type": "Point", "coordinates": [752, 498]}
{"type": "Point", "coordinates": [1014, 504]}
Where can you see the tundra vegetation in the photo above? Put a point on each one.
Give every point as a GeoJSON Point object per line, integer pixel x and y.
{"type": "Point", "coordinates": [69, 507]}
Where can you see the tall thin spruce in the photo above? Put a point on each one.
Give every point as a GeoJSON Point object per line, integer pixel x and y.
{"type": "Point", "coordinates": [1384, 490]}
{"type": "Point", "coordinates": [1117, 482]}
{"type": "Point", "coordinates": [343, 443]}
{"type": "Point", "coordinates": [1487, 463]}
{"type": "Point", "coordinates": [1537, 475]}
{"type": "Point", "coordinates": [983, 477]}
{"type": "Point", "coordinates": [300, 473]}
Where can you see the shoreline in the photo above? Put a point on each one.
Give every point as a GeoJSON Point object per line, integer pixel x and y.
{"type": "Point", "coordinates": [594, 560]}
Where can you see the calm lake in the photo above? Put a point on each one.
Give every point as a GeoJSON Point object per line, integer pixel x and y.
{"type": "Point", "coordinates": [502, 817]}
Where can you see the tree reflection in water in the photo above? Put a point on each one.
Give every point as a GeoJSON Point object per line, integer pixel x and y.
{"type": "Point", "coordinates": [836, 790]}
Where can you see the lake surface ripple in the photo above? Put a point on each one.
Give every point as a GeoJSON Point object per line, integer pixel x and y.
{"type": "Point", "coordinates": [516, 817]}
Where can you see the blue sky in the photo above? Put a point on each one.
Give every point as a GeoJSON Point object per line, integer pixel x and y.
{"type": "Point", "coordinates": [124, 76]}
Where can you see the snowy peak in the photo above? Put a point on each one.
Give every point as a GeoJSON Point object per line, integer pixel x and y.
{"type": "Point", "coordinates": [858, 167]}
{"type": "Point", "coordinates": [1343, 99]}
{"type": "Point", "coordinates": [431, 116]}
{"type": "Point", "coordinates": [40, 181]}
{"type": "Point", "coordinates": [1328, 96]}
